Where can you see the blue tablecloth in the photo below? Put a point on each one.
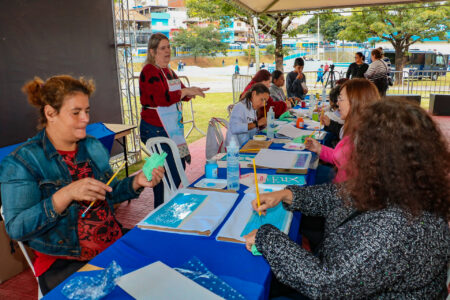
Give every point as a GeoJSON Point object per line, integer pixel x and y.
{"type": "Point", "coordinates": [98, 130]}
{"type": "Point", "coordinates": [248, 274]}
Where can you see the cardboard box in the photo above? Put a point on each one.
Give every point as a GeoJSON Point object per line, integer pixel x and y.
{"type": "Point", "coordinates": [12, 263]}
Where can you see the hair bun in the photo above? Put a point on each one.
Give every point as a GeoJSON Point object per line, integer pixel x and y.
{"type": "Point", "coordinates": [33, 90]}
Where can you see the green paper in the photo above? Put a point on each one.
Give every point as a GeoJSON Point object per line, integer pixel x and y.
{"type": "Point", "coordinates": [300, 139]}
{"type": "Point", "coordinates": [286, 116]}
{"type": "Point", "coordinates": [255, 251]}
{"type": "Point", "coordinates": [152, 162]}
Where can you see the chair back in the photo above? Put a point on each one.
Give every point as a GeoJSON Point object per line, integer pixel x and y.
{"type": "Point", "coordinates": [153, 145]}
{"type": "Point", "coordinates": [27, 257]}
{"type": "Point", "coordinates": [215, 141]}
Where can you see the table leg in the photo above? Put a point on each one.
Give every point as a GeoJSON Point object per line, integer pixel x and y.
{"type": "Point", "coordinates": [125, 154]}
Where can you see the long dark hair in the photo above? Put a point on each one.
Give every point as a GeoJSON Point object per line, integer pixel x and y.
{"type": "Point", "coordinates": [259, 88]}
{"type": "Point", "coordinates": [400, 159]}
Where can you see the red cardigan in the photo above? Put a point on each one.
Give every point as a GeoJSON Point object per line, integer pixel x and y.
{"type": "Point", "coordinates": [279, 107]}
{"type": "Point", "coordinates": [154, 91]}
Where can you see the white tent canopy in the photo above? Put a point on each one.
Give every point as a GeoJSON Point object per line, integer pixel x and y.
{"type": "Point", "coordinates": [268, 6]}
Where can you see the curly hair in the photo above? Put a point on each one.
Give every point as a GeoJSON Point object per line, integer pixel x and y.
{"type": "Point", "coordinates": [400, 159]}
{"type": "Point", "coordinates": [53, 92]}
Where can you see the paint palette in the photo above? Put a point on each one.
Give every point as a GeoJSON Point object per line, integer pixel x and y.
{"type": "Point", "coordinates": [211, 183]}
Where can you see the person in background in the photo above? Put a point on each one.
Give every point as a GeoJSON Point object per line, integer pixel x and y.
{"type": "Point", "coordinates": [263, 65]}
{"type": "Point", "coordinates": [159, 86]}
{"type": "Point", "coordinates": [378, 72]}
{"type": "Point", "coordinates": [296, 80]}
{"type": "Point", "coordinates": [387, 233]}
{"type": "Point", "coordinates": [244, 122]}
{"type": "Point", "coordinates": [51, 179]}
{"type": "Point", "coordinates": [354, 96]}
{"type": "Point", "coordinates": [276, 88]}
{"type": "Point", "coordinates": [236, 69]}
{"type": "Point", "coordinates": [319, 75]}
{"type": "Point", "coordinates": [358, 68]}
{"type": "Point", "coordinates": [264, 77]}
{"type": "Point", "coordinates": [223, 62]}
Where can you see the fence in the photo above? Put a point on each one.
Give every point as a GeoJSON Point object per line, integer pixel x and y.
{"type": "Point", "coordinates": [416, 82]}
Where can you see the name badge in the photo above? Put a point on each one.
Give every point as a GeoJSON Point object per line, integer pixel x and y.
{"type": "Point", "coordinates": [174, 85]}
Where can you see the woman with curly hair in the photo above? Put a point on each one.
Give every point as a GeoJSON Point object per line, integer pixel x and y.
{"type": "Point", "coordinates": [387, 233]}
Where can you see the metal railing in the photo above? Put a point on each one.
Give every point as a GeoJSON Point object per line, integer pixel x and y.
{"type": "Point", "coordinates": [405, 82]}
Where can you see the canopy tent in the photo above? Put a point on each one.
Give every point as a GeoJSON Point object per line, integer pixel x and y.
{"type": "Point", "coordinates": [270, 6]}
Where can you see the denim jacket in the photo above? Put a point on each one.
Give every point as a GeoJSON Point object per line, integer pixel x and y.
{"type": "Point", "coordinates": [30, 176]}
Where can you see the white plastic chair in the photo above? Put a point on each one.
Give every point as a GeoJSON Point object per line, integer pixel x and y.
{"type": "Point", "coordinates": [215, 141]}
{"type": "Point", "coordinates": [153, 145]}
{"type": "Point", "coordinates": [27, 257]}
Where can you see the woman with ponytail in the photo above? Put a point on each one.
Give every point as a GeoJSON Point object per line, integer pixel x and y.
{"type": "Point", "coordinates": [50, 180]}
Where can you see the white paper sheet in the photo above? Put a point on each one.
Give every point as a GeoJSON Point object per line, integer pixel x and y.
{"type": "Point", "coordinates": [290, 131]}
{"type": "Point", "coordinates": [280, 159]}
{"type": "Point", "coordinates": [207, 217]}
{"type": "Point", "coordinates": [159, 281]}
{"type": "Point", "coordinates": [238, 220]}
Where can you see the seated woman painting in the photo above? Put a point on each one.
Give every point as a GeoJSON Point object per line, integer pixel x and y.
{"type": "Point", "coordinates": [387, 233]}
{"type": "Point", "coordinates": [49, 181]}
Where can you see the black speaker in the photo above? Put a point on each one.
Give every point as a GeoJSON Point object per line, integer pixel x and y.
{"type": "Point", "coordinates": [409, 97]}
{"type": "Point", "coordinates": [440, 104]}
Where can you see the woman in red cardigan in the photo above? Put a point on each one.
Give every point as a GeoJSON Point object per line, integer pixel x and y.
{"type": "Point", "coordinates": [160, 93]}
{"type": "Point", "coordinates": [264, 76]}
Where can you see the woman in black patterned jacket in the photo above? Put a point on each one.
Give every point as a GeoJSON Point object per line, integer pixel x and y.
{"type": "Point", "coordinates": [386, 233]}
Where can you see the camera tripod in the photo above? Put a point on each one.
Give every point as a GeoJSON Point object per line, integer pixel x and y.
{"type": "Point", "coordinates": [331, 78]}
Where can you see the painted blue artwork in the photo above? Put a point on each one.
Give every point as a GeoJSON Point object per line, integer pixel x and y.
{"type": "Point", "coordinates": [176, 210]}
{"type": "Point", "coordinates": [242, 157]}
{"type": "Point", "coordinates": [286, 179]}
{"type": "Point", "coordinates": [277, 216]}
{"type": "Point", "coordinates": [301, 160]}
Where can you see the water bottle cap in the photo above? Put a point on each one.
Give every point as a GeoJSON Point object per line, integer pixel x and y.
{"type": "Point", "coordinates": [210, 161]}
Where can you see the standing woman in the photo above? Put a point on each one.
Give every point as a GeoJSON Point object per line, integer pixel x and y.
{"type": "Point", "coordinates": [243, 120]}
{"type": "Point", "coordinates": [358, 68]}
{"type": "Point", "coordinates": [161, 92]}
{"type": "Point", "coordinates": [378, 72]}
{"type": "Point", "coordinates": [50, 180]}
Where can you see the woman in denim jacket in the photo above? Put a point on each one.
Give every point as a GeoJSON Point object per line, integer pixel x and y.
{"type": "Point", "coordinates": [50, 180]}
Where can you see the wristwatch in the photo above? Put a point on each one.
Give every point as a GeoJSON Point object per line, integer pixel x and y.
{"type": "Point", "coordinates": [256, 123]}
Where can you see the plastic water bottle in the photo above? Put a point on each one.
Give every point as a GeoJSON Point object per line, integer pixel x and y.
{"type": "Point", "coordinates": [271, 123]}
{"type": "Point", "coordinates": [324, 95]}
{"type": "Point", "coordinates": [233, 164]}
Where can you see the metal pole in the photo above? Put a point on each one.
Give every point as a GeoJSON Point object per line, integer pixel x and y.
{"type": "Point", "coordinates": [318, 37]}
{"type": "Point", "coordinates": [256, 37]}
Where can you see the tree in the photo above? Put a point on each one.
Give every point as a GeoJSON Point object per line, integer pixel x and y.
{"type": "Point", "coordinates": [201, 41]}
{"type": "Point", "coordinates": [330, 25]}
{"type": "Point", "coordinates": [401, 25]}
{"type": "Point", "coordinates": [271, 50]}
{"type": "Point", "coordinates": [276, 24]}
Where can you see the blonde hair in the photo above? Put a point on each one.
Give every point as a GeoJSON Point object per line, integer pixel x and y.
{"type": "Point", "coordinates": [361, 93]}
{"type": "Point", "coordinates": [153, 43]}
{"type": "Point", "coordinates": [53, 91]}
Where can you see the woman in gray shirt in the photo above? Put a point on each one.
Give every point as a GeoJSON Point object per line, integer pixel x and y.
{"type": "Point", "coordinates": [386, 231]}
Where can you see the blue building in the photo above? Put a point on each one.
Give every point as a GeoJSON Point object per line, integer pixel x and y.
{"type": "Point", "coordinates": [160, 23]}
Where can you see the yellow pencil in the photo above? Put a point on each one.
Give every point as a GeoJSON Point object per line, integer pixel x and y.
{"type": "Point", "coordinates": [312, 134]}
{"type": "Point", "coordinates": [249, 150]}
{"type": "Point", "coordinates": [256, 185]}
{"type": "Point", "coordinates": [108, 183]}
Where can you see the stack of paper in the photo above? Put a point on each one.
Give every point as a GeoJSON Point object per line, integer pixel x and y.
{"type": "Point", "coordinates": [191, 212]}
{"type": "Point", "coordinates": [280, 159]}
